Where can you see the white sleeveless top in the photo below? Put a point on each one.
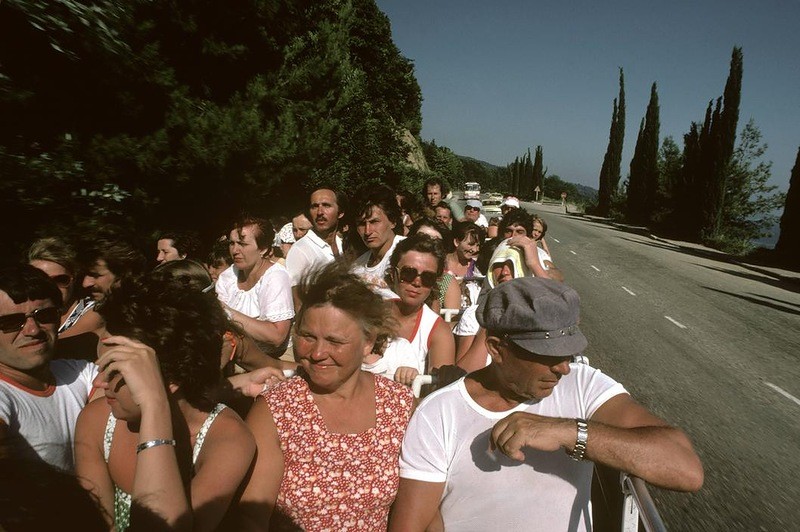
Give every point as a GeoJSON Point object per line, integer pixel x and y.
{"type": "Point", "coordinates": [421, 338]}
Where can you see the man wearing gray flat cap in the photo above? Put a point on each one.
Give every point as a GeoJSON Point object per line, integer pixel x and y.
{"type": "Point", "coordinates": [511, 446]}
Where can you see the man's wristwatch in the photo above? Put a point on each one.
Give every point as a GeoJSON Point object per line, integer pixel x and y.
{"type": "Point", "coordinates": [580, 443]}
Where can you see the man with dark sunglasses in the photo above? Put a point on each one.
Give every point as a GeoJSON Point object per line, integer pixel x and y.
{"type": "Point", "coordinates": [40, 398]}
{"type": "Point", "coordinates": [511, 446]}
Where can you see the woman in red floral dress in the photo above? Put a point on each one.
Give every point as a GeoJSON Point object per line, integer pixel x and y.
{"type": "Point", "coordinates": [329, 440]}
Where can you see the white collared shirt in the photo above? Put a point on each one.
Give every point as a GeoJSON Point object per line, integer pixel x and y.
{"type": "Point", "coordinates": [309, 252]}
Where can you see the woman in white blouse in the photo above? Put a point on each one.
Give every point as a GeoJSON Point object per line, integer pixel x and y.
{"type": "Point", "coordinates": [255, 290]}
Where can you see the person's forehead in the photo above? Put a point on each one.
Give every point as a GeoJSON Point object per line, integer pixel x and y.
{"type": "Point", "coordinates": [323, 195]}
{"type": "Point", "coordinates": [7, 305]}
{"type": "Point", "coordinates": [417, 258]}
{"type": "Point", "coordinates": [515, 227]}
{"type": "Point", "coordinates": [442, 210]}
{"type": "Point", "coordinates": [49, 267]}
{"type": "Point", "coordinates": [100, 266]}
{"type": "Point", "coordinates": [434, 188]}
{"type": "Point", "coordinates": [301, 221]}
{"type": "Point", "coordinates": [166, 243]}
{"type": "Point", "coordinates": [375, 213]}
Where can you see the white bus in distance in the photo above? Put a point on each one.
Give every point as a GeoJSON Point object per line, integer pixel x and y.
{"type": "Point", "coordinates": [472, 190]}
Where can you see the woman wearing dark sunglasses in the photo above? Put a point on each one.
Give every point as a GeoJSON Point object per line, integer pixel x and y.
{"type": "Point", "coordinates": [58, 260]}
{"type": "Point", "coordinates": [416, 264]}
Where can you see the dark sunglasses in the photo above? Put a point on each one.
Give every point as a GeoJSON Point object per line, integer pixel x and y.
{"type": "Point", "coordinates": [43, 316]}
{"type": "Point", "coordinates": [62, 281]}
{"type": "Point", "coordinates": [407, 275]}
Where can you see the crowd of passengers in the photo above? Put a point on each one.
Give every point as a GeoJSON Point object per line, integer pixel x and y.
{"type": "Point", "coordinates": [266, 385]}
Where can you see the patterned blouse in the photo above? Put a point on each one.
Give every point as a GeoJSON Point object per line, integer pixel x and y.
{"type": "Point", "coordinates": [332, 481]}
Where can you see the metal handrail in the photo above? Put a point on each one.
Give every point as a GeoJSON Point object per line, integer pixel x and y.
{"type": "Point", "coordinates": [637, 504]}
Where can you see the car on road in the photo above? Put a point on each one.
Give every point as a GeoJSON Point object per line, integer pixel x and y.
{"type": "Point", "coordinates": [491, 205]}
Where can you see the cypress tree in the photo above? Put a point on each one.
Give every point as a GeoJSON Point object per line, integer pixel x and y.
{"type": "Point", "coordinates": [788, 246]}
{"type": "Point", "coordinates": [649, 168]}
{"type": "Point", "coordinates": [616, 160]}
{"type": "Point", "coordinates": [604, 189]}
{"type": "Point", "coordinates": [610, 171]}
{"type": "Point", "coordinates": [636, 184]}
{"type": "Point", "coordinates": [719, 149]}
{"type": "Point", "coordinates": [538, 172]}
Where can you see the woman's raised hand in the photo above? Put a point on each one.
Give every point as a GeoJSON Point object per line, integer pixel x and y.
{"type": "Point", "coordinates": [138, 366]}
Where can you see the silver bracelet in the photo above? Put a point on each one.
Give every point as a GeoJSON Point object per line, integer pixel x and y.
{"type": "Point", "coordinates": [153, 443]}
{"type": "Point", "coordinates": [580, 442]}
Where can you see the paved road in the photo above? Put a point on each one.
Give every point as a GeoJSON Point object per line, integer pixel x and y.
{"type": "Point", "coordinates": [709, 345]}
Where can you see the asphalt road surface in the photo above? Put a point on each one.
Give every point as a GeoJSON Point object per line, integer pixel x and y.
{"type": "Point", "coordinates": [709, 345]}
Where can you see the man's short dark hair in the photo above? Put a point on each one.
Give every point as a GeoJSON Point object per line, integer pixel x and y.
{"type": "Point", "coordinates": [435, 181]}
{"type": "Point", "coordinates": [121, 258]}
{"type": "Point", "coordinates": [518, 217]}
{"type": "Point", "coordinates": [444, 205]}
{"type": "Point", "coordinates": [23, 282]}
{"type": "Point", "coordinates": [384, 198]}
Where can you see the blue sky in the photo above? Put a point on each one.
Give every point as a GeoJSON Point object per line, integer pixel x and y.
{"type": "Point", "coordinates": [500, 76]}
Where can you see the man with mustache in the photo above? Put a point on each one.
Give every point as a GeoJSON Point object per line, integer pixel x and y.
{"type": "Point", "coordinates": [321, 244]}
{"type": "Point", "coordinates": [110, 261]}
{"type": "Point", "coordinates": [40, 398]}
{"type": "Point", "coordinates": [511, 446]}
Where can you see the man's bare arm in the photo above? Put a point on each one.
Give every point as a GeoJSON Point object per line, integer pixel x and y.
{"type": "Point", "coordinates": [416, 508]}
{"type": "Point", "coordinates": [622, 434]}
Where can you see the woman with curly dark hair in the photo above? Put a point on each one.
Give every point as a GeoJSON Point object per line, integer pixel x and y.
{"type": "Point", "coordinates": [161, 443]}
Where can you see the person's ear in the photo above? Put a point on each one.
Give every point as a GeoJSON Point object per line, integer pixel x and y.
{"type": "Point", "coordinates": [493, 345]}
{"type": "Point", "coordinates": [369, 345]}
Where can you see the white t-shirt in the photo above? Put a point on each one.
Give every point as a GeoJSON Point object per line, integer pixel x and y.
{"type": "Point", "coordinates": [269, 300]}
{"type": "Point", "coordinates": [447, 441]}
{"type": "Point", "coordinates": [46, 420]}
{"type": "Point", "coordinates": [309, 252]}
{"type": "Point", "coordinates": [398, 353]}
{"type": "Point", "coordinates": [374, 275]}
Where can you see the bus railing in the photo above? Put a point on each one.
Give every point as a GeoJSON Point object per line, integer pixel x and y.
{"type": "Point", "coordinates": [638, 505]}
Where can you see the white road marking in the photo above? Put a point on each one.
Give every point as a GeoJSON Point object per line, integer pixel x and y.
{"type": "Point", "coordinates": [630, 292]}
{"type": "Point", "coordinates": [595, 267]}
{"type": "Point", "coordinates": [572, 252]}
{"type": "Point", "coordinates": [682, 326]}
{"type": "Point", "coordinates": [557, 240]}
{"type": "Point", "coordinates": [783, 392]}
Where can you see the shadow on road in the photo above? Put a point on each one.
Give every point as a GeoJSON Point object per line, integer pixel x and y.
{"type": "Point", "coordinates": [764, 278]}
{"type": "Point", "coordinates": [758, 301]}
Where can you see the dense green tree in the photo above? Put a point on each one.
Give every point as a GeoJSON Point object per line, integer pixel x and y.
{"type": "Point", "coordinates": [670, 168]}
{"type": "Point", "coordinates": [644, 176]}
{"type": "Point", "coordinates": [788, 246]}
{"type": "Point", "coordinates": [750, 202]}
{"type": "Point", "coordinates": [158, 114]}
{"type": "Point", "coordinates": [718, 150]}
{"type": "Point", "coordinates": [538, 169]}
{"type": "Point", "coordinates": [610, 170]}
{"type": "Point", "coordinates": [444, 163]}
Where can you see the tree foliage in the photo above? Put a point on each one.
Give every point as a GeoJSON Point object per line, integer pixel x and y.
{"type": "Point", "coordinates": [156, 114]}
{"type": "Point", "coordinates": [643, 183]}
{"type": "Point", "coordinates": [788, 246]}
{"type": "Point", "coordinates": [749, 201]}
{"type": "Point", "coordinates": [610, 170]}
{"type": "Point", "coordinates": [444, 163]}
